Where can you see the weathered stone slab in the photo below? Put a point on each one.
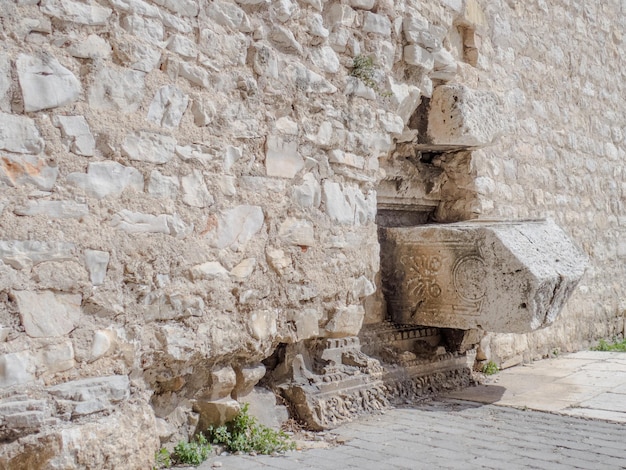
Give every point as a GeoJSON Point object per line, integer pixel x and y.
{"type": "Point", "coordinates": [235, 227]}
{"type": "Point", "coordinates": [97, 262]}
{"type": "Point", "coordinates": [460, 116]}
{"type": "Point", "coordinates": [45, 83]}
{"type": "Point", "coordinates": [76, 12]}
{"type": "Point", "coordinates": [106, 178]}
{"type": "Point", "coordinates": [19, 134]}
{"type": "Point", "coordinates": [76, 131]}
{"type": "Point", "coordinates": [138, 222]}
{"type": "Point", "coordinates": [21, 254]}
{"type": "Point", "coordinates": [509, 277]}
{"type": "Point", "coordinates": [54, 209]}
{"type": "Point", "coordinates": [112, 388]}
{"type": "Point", "coordinates": [27, 169]}
{"type": "Point", "coordinates": [168, 106]}
{"type": "Point", "coordinates": [46, 314]}
{"type": "Point", "coordinates": [149, 147]}
{"type": "Point", "coordinates": [114, 89]}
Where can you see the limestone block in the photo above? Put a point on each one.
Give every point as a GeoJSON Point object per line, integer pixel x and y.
{"type": "Point", "coordinates": [405, 99]}
{"type": "Point", "coordinates": [244, 269]}
{"type": "Point", "coordinates": [93, 47]}
{"type": "Point", "coordinates": [345, 158]}
{"type": "Point", "coordinates": [106, 178]}
{"type": "Point", "coordinates": [345, 321]}
{"type": "Point", "coordinates": [226, 14]}
{"type": "Point", "coordinates": [54, 209]}
{"type": "Point", "coordinates": [58, 357]}
{"type": "Point", "coordinates": [362, 4]}
{"type": "Point", "coordinates": [196, 75]}
{"type": "Point", "coordinates": [215, 413]}
{"type": "Point", "coordinates": [315, 24]}
{"type": "Point", "coordinates": [45, 83]}
{"type": "Point", "coordinates": [138, 7]}
{"type": "Point", "coordinates": [391, 122]}
{"type": "Point", "coordinates": [76, 131]}
{"type": "Point", "coordinates": [461, 116]}
{"type": "Point", "coordinates": [203, 112]}
{"type": "Point", "coordinates": [307, 81]}
{"type": "Point", "coordinates": [413, 25]}
{"type": "Point", "coordinates": [220, 49]}
{"type": "Point", "coordinates": [16, 368]}
{"type": "Point", "coordinates": [306, 323]}
{"type": "Point", "coordinates": [263, 406]}
{"type": "Point", "coordinates": [362, 287]}
{"type": "Point", "coordinates": [146, 28]}
{"type": "Point", "coordinates": [348, 205]}
{"type": "Point", "coordinates": [309, 193]}
{"type": "Point", "coordinates": [445, 66]}
{"type": "Point", "coordinates": [182, 46]}
{"type": "Point", "coordinates": [27, 253]}
{"type": "Point", "coordinates": [377, 24]}
{"type": "Point", "coordinates": [149, 147]}
{"type": "Point", "coordinates": [194, 152]}
{"type": "Point", "coordinates": [247, 378]}
{"type": "Point", "coordinates": [325, 59]}
{"type": "Point", "coordinates": [281, 157]}
{"type": "Point", "coordinates": [222, 381]}
{"type": "Point", "coordinates": [46, 314]}
{"type": "Point", "coordinates": [76, 12]}
{"type": "Point", "coordinates": [103, 343]}
{"type": "Point", "coordinates": [340, 15]}
{"type": "Point", "coordinates": [97, 262]}
{"type": "Point", "coordinates": [138, 222]}
{"type": "Point", "coordinates": [235, 227]}
{"type": "Point", "coordinates": [418, 56]}
{"type": "Point", "coordinates": [5, 83]}
{"type": "Point", "coordinates": [19, 134]}
{"type": "Point", "coordinates": [161, 186]}
{"type": "Point", "coordinates": [27, 169]}
{"type": "Point", "coordinates": [168, 106]}
{"type": "Point", "coordinates": [356, 87]}
{"type": "Point", "coordinates": [180, 7]}
{"type": "Point", "coordinates": [195, 192]}
{"type": "Point", "coordinates": [209, 270]}
{"type": "Point", "coordinates": [262, 324]}
{"type": "Point", "coordinates": [297, 232]}
{"type": "Point", "coordinates": [116, 89]}
{"type": "Point", "coordinates": [509, 277]}
{"type": "Point", "coordinates": [113, 388]}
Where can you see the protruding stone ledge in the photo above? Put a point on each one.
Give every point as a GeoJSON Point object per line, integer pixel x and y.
{"type": "Point", "coordinates": [509, 277]}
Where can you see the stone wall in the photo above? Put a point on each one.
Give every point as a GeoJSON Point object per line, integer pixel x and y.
{"type": "Point", "coordinates": [187, 184]}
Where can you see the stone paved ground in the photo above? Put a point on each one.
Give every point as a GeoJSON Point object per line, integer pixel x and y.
{"type": "Point", "coordinates": [492, 426]}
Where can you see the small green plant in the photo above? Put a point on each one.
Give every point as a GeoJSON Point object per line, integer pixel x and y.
{"type": "Point", "coordinates": [364, 69]}
{"type": "Point", "coordinates": [245, 434]}
{"type": "Point", "coordinates": [162, 458]}
{"type": "Point", "coordinates": [490, 368]}
{"type": "Point", "coordinates": [616, 346]}
{"type": "Point", "coordinates": [194, 452]}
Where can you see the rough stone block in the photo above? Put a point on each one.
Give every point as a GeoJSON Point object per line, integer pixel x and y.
{"type": "Point", "coordinates": [138, 222]}
{"type": "Point", "coordinates": [46, 314]}
{"type": "Point", "coordinates": [345, 321]}
{"type": "Point", "coordinates": [97, 262]}
{"type": "Point", "coordinates": [282, 158]}
{"type": "Point", "coordinates": [210, 270]}
{"type": "Point", "coordinates": [195, 191]}
{"type": "Point", "coordinates": [45, 83]}
{"type": "Point", "coordinates": [16, 368]}
{"type": "Point", "coordinates": [114, 89]}
{"type": "Point", "coordinates": [149, 147]}
{"type": "Point", "coordinates": [263, 406]}
{"type": "Point", "coordinates": [107, 178]}
{"type": "Point", "coordinates": [54, 209]}
{"type": "Point", "coordinates": [244, 269]}
{"type": "Point", "coordinates": [247, 378]}
{"type": "Point", "coordinates": [418, 56]}
{"type": "Point", "coordinates": [168, 106]}
{"type": "Point", "coordinates": [19, 134]}
{"type": "Point", "coordinates": [460, 116]}
{"type": "Point", "coordinates": [27, 253]}
{"type": "Point", "coordinates": [215, 413]}
{"type": "Point", "coordinates": [235, 227]}
{"type": "Point", "coordinates": [377, 24]}
{"type": "Point", "coordinates": [93, 47]}
{"type": "Point", "coordinates": [76, 12]}
{"type": "Point", "coordinates": [222, 381]}
{"type": "Point", "coordinates": [297, 232]}
{"type": "Point", "coordinates": [508, 277]}
{"type": "Point", "coordinates": [76, 130]}
{"type": "Point", "coordinates": [27, 169]}
{"type": "Point", "coordinates": [113, 388]}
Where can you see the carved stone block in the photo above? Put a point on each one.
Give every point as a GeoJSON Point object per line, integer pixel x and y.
{"type": "Point", "coordinates": [509, 277]}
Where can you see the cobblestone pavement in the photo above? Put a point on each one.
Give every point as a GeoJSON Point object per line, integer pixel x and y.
{"type": "Point", "coordinates": [454, 434]}
{"type": "Point", "coordinates": [578, 421]}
